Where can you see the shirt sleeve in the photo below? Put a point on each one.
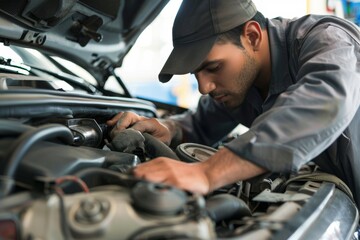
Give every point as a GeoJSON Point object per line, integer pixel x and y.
{"type": "Point", "coordinates": [312, 113]}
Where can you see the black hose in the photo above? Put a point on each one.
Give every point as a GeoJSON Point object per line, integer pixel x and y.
{"type": "Point", "coordinates": [98, 176]}
{"type": "Point", "coordinates": [63, 218]}
{"type": "Point", "coordinates": [22, 145]}
{"type": "Point", "coordinates": [156, 148]}
{"type": "Point", "coordinates": [11, 128]}
{"type": "Point", "coordinates": [225, 206]}
{"type": "Point", "coordinates": [130, 140]}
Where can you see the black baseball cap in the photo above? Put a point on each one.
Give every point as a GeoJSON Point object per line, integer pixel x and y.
{"type": "Point", "coordinates": [195, 29]}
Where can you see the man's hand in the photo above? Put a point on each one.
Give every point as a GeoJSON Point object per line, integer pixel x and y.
{"type": "Point", "coordinates": [221, 169]}
{"type": "Point", "coordinates": [187, 176]}
{"type": "Point", "coordinates": [152, 126]}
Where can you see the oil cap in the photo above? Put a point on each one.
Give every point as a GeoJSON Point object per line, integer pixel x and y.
{"type": "Point", "coordinates": [157, 198]}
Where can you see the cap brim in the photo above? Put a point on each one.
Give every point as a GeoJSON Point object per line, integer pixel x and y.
{"type": "Point", "coordinates": [185, 58]}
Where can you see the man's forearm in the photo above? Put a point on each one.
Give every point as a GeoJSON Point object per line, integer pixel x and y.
{"type": "Point", "coordinates": [225, 167]}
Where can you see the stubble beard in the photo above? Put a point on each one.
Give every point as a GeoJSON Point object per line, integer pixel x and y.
{"type": "Point", "coordinates": [243, 82]}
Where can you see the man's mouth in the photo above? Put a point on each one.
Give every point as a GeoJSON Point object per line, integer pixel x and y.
{"type": "Point", "coordinates": [220, 97]}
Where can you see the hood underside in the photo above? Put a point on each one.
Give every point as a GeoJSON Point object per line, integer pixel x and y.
{"type": "Point", "coordinates": [94, 34]}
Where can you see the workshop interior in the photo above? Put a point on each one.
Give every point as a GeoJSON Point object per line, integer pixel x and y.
{"type": "Point", "coordinates": [68, 66]}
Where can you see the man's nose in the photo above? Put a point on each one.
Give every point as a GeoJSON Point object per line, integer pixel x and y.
{"type": "Point", "coordinates": [206, 84]}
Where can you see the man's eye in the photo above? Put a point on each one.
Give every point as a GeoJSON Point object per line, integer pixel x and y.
{"type": "Point", "coordinates": [213, 69]}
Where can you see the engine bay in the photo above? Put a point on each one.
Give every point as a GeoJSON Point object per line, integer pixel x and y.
{"type": "Point", "coordinates": [63, 179]}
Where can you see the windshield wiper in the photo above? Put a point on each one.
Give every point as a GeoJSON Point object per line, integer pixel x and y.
{"type": "Point", "coordinates": [69, 78]}
{"type": "Point", "coordinates": [6, 64]}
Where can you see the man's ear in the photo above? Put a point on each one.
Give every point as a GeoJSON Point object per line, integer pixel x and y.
{"type": "Point", "coordinates": [253, 35]}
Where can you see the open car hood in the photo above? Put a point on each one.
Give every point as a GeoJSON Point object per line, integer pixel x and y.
{"type": "Point", "coordinates": [94, 34]}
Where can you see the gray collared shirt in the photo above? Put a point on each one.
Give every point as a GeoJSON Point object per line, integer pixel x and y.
{"type": "Point", "coordinates": [312, 110]}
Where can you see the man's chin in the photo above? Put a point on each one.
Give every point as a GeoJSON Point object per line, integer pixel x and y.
{"type": "Point", "coordinates": [231, 105]}
{"type": "Point", "coordinates": [228, 102]}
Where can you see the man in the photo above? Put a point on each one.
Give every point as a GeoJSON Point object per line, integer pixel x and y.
{"type": "Point", "coordinates": [294, 83]}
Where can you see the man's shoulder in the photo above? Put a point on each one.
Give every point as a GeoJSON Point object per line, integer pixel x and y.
{"type": "Point", "coordinates": [299, 28]}
{"type": "Point", "coordinates": [311, 19]}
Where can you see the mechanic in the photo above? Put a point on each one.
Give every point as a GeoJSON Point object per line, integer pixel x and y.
{"type": "Point", "coordinates": [294, 83]}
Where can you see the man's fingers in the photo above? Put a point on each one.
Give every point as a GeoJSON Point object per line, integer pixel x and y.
{"type": "Point", "coordinates": [155, 128]}
{"type": "Point", "coordinates": [146, 125]}
{"type": "Point", "coordinates": [114, 120]}
{"type": "Point", "coordinates": [182, 175]}
{"type": "Point", "coordinates": [125, 120]}
{"type": "Point", "coordinates": [154, 165]}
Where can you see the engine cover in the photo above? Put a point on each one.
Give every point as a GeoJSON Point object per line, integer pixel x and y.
{"type": "Point", "coordinates": [114, 212]}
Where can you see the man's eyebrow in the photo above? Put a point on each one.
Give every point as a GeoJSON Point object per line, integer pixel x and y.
{"type": "Point", "coordinates": [204, 65]}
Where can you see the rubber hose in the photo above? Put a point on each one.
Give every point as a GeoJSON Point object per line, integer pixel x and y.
{"type": "Point", "coordinates": [156, 148]}
{"type": "Point", "coordinates": [225, 206]}
{"type": "Point", "coordinates": [22, 145]}
{"type": "Point", "coordinates": [10, 128]}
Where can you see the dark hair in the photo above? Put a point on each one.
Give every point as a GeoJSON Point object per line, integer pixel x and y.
{"type": "Point", "coordinates": [233, 35]}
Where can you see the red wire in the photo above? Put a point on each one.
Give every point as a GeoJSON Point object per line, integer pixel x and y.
{"type": "Point", "coordinates": [81, 183]}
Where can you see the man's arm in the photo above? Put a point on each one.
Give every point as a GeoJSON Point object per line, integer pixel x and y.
{"type": "Point", "coordinates": [225, 167]}
{"type": "Point", "coordinates": [221, 169]}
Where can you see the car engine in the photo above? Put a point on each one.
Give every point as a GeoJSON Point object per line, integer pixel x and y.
{"type": "Point", "coordinates": [62, 178]}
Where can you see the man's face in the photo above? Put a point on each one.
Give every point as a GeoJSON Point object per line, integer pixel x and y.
{"type": "Point", "coordinates": [227, 74]}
